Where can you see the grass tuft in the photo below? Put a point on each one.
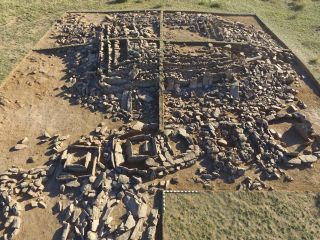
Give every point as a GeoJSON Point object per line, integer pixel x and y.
{"type": "Point", "coordinates": [119, 1]}
{"type": "Point", "coordinates": [210, 4]}
{"type": "Point", "coordinates": [296, 5]}
{"type": "Point", "coordinates": [160, 5]}
{"type": "Point", "coordinates": [314, 61]}
{"type": "Point", "coordinates": [214, 5]}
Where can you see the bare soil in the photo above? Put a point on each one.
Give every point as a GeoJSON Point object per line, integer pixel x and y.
{"type": "Point", "coordinates": [33, 105]}
{"type": "Point", "coordinates": [246, 20]}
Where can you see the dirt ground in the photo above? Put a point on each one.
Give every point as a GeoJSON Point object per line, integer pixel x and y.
{"type": "Point", "coordinates": [32, 105]}
{"type": "Point", "coordinates": [40, 223]}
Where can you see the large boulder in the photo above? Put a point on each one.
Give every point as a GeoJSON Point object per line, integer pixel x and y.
{"type": "Point", "coordinates": [303, 159]}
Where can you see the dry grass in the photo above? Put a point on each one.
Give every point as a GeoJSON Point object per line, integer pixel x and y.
{"type": "Point", "coordinates": [242, 215]}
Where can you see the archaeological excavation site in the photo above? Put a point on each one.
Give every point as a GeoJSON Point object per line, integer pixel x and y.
{"type": "Point", "coordinates": [112, 109]}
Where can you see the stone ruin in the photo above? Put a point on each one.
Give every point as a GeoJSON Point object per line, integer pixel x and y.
{"type": "Point", "coordinates": [176, 102]}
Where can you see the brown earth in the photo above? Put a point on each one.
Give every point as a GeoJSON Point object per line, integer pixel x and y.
{"type": "Point", "coordinates": [33, 106]}
{"type": "Point", "coordinates": [247, 20]}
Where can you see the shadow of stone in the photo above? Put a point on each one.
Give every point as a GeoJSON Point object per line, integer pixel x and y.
{"type": "Point", "coordinates": [159, 204]}
{"type": "Point", "coordinates": [28, 207]}
{"type": "Point", "coordinates": [291, 137]}
{"type": "Point", "coordinates": [12, 149]}
{"type": "Point", "coordinates": [49, 152]}
{"type": "Point", "coordinates": [57, 234]}
{"type": "Point", "coordinates": [2, 219]}
{"type": "Point", "coordinates": [181, 144]}
{"type": "Point", "coordinates": [288, 167]}
{"type": "Point", "coordinates": [53, 188]}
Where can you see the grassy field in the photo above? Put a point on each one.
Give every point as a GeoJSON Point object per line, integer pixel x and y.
{"type": "Point", "coordinates": [23, 22]}
{"type": "Point", "coordinates": [242, 215]}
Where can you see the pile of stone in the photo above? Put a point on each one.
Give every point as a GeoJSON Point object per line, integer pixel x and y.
{"type": "Point", "coordinates": [118, 77]}
{"type": "Point", "coordinates": [130, 145]}
{"type": "Point", "coordinates": [125, 61]}
{"type": "Point", "coordinates": [224, 96]}
{"type": "Point", "coordinates": [98, 191]}
{"type": "Point", "coordinates": [218, 28]}
{"type": "Point", "coordinates": [200, 68]}
{"type": "Point", "coordinates": [93, 212]}
{"type": "Point", "coordinates": [92, 205]}
{"type": "Point", "coordinates": [130, 69]}
{"type": "Point", "coordinates": [18, 186]}
{"type": "Point", "coordinates": [19, 182]}
{"type": "Point", "coordinates": [220, 102]}
{"type": "Point", "coordinates": [230, 103]}
{"type": "Point", "coordinates": [132, 25]}
{"type": "Point", "coordinates": [118, 81]}
{"type": "Point", "coordinates": [11, 211]}
{"type": "Point", "coordinates": [73, 29]}
{"type": "Point", "coordinates": [91, 193]}
{"type": "Point", "coordinates": [251, 185]}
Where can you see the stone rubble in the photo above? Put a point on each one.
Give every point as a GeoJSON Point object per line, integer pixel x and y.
{"type": "Point", "coordinates": [88, 212]}
{"type": "Point", "coordinates": [132, 25]}
{"type": "Point", "coordinates": [231, 105]}
{"type": "Point", "coordinates": [122, 90]}
{"type": "Point", "coordinates": [74, 30]}
{"type": "Point", "coordinates": [15, 184]}
{"type": "Point", "coordinates": [218, 28]}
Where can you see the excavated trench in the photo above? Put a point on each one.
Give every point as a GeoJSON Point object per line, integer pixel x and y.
{"type": "Point", "coordinates": [174, 93]}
